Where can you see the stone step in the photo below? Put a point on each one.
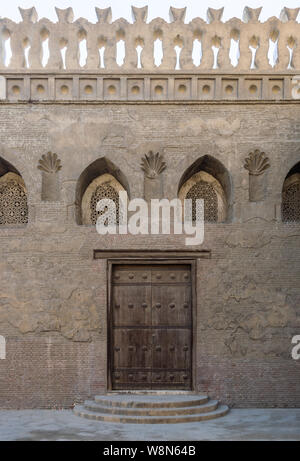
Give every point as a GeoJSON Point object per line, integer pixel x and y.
{"type": "Point", "coordinates": [114, 418]}
{"type": "Point", "coordinates": [153, 401]}
{"type": "Point", "coordinates": [150, 411]}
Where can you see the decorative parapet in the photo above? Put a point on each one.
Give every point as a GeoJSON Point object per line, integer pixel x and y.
{"type": "Point", "coordinates": [213, 39]}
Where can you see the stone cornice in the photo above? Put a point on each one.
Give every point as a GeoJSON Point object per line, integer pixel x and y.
{"type": "Point", "coordinates": [151, 88]}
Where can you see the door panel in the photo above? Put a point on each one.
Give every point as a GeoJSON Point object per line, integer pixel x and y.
{"type": "Point", "coordinates": [171, 305]}
{"type": "Point", "coordinates": [133, 348]}
{"type": "Point", "coordinates": [169, 274]}
{"type": "Point", "coordinates": [131, 305]}
{"type": "Point", "coordinates": [171, 380]}
{"type": "Point", "coordinates": [132, 379]}
{"type": "Point", "coordinates": [151, 327]}
{"type": "Point", "coordinates": [134, 274]}
{"type": "Point", "coordinates": [172, 349]}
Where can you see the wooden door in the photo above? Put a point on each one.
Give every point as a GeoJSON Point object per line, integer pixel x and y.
{"type": "Point", "coordinates": [151, 327]}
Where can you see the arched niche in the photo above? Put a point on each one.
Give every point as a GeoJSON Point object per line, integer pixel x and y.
{"type": "Point", "coordinates": [290, 204]}
{"type": "Point", "coordinates": [208, 178]}
{"type": "Point", "coordinates": [101, 173]}
{"type": "Point", "coordinates": [104, 186]}
{"type": "Point", "coordinates": [13, 198]}
{"type": "Point", "coordinates": [205, 186]}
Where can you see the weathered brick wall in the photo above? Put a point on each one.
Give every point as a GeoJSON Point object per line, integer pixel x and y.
{"type": "Point", "coordinates": [53, 294]}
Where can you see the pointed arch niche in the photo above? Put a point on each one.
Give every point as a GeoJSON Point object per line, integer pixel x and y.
{"type": "Point", "coordinates": [208, 179]}
{"type": "Point", "coordinates": [290, 205]}
{"type": "Point", "coordinates": [13, 196]}
{"type": "Point", "coordinates": [101, 179]}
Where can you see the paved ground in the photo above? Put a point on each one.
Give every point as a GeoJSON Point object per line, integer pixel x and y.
{"type": "Point", "coordinates": [249, 424]}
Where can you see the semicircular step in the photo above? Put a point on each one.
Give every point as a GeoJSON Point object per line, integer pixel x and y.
{"type": "Point", "coordinates": [155, 401]}
{"type": "Point", "coordinates": [150, 411]}
{"type": "Point", "coordinates": [115, 418]}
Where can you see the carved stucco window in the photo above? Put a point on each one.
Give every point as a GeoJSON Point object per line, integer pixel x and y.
{"type": "Point", "coordinates": [13, 200]}
{"type": "Point", "coordinates": [103, 187]}
{"type": "Point", "coordinates": [291, 198]}
{"type": "Point", "coordinates": [204, 186]}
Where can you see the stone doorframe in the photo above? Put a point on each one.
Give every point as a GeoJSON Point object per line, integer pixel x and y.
{"type": "Point", "coordinates": [120, 257]}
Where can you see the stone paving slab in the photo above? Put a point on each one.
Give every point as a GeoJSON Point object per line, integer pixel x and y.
{"type": "Point", "coordinates": [63, 425]}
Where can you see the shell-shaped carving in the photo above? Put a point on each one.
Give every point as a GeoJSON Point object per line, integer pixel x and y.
{"type": "Point", "coordinates": [49, 163]}
{"type": "Point", "coordinates": [257, 163]}
{"type": "Point", "coordinates": [153, 164]}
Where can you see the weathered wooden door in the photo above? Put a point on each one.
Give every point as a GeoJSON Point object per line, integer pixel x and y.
{"type": "Point", "coordinates": [151, 327]}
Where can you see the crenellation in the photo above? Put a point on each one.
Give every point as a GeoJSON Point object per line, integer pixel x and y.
{"type": "Point", "coordinates": [104, 15]}
{"type": "Point", "coordinates": [251, 14]}
{"type": "Point", "coordinates": [65, 16]}
{"type": "Point", "coordinates": [177, 14]}
{"type": "Point", "coordinates": [139, 14]}
{"type": "Point", "coordinates": [289, 14]}
{"type": "Point", "coordinates": [28, 37]}
{"type": "Point", "coordinates": [29, 14]}
{"type": "Point", "coordinates": [214, 15]}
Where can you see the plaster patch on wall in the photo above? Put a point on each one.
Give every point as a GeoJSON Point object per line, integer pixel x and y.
{"type": "Point", "coordinates": [218, 126]}
{"type": "Point", "coordinates": [248, 239]}
{"type": "Point", "coordinates": [90, 136]}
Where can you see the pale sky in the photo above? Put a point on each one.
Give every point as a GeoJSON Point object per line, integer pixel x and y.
{"type": "Point", "coordinates": [121, 8]}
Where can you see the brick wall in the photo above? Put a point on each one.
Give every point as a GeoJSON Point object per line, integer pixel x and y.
{"type": "Point", "coordinates": [53, 294]}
